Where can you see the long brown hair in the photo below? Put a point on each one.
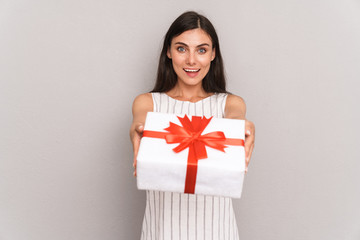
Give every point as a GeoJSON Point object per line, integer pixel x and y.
{"type": "Point", "coordinates": [214, 81]}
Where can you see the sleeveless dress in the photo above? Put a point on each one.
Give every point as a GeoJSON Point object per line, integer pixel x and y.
{"type": "Point", "coordinates": [180, 216]}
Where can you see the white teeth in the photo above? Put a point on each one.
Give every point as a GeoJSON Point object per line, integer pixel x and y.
{"type": "Point", "coordinates": [191, 70]}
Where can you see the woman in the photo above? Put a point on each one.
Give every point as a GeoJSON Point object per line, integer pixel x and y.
{"type": "Point", "coordinates": [190, 80]}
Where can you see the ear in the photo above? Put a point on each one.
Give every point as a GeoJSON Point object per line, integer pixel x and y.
{"type": "Point", "coordinates": [213, 54]}
{"type": "Point", "coordinates": [168, 53]}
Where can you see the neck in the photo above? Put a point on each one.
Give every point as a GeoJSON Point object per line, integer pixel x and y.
{"type": "Point", "coordinates": [188, 93]}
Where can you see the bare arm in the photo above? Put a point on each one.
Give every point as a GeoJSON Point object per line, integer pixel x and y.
{"type": "Point", "coordinates": [235, 108]}
{"type": "Point", "coordinates": [141, 105]}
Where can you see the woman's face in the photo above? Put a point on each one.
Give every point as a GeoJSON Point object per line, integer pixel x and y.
{"type": "Point", "coordinates": [191, 53]}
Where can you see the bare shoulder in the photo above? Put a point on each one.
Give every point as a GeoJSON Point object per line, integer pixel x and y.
{"type": "Point", "coordinates": [143, 101]}
{"type": "Point", "coordinates": [234, 99]}
{"type": "Point", "coordinates": [143, 98]}
{"type": "Point", "coordinates": [141, 106]}
{"type": "Point", "coordinates": [235, 107]}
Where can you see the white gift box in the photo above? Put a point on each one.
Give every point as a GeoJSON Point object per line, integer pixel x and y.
{"type": "Point", "coordinates": [160, 168]}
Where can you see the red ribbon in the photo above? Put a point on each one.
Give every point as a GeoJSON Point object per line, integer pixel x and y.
{"type": "Point", "coordinates": [189, 136]}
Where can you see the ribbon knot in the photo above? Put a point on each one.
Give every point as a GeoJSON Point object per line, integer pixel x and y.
{"type": "Point", "coordinates": [189, 136]}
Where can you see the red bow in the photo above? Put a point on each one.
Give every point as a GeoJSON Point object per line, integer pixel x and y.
{"type": "Point", "coordinates": [189, 136]}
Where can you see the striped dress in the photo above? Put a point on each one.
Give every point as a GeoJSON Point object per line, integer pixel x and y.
{"type": "Point", "coordinates": [179, 216]}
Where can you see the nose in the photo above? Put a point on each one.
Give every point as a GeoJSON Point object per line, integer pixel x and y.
{"type": "Point", "coordinates": [191, 59]}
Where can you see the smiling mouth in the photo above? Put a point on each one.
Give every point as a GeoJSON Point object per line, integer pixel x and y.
{"type": "Point", "coordinates": [191, 70]}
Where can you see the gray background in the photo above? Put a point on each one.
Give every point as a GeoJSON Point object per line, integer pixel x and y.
{"type": "Point", "coordinates": [69, 71]}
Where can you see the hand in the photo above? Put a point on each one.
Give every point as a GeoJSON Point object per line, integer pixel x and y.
{"type": "Point", "coordinates": [249, 141]}
{"type": "Point", "coordinates": [136, 137]}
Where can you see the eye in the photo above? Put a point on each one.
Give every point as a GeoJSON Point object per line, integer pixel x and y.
{"type": "Point", "coordinates": [181, 49]}
{"type": "Point", "coordinates": [202, 50]}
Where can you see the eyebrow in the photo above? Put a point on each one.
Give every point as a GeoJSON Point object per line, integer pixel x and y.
{"type": "Point", "coordinates": [201, 45]}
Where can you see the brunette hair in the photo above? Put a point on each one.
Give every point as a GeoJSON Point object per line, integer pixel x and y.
{"type": "Point", "coordinates": [214, 81]}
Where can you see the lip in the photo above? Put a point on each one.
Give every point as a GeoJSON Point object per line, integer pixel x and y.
{"type": "Point", "coordinates": [192, 69]}
{"type": "Point", "coordinates": [192, 74]}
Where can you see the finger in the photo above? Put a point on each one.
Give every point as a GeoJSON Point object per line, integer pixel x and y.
{"type": "Point", "coordinates": [250, 153]}
{"type": "Point", "coordinates": [249, 141]}
{"type": "Point", "coordinates": [134, 163]}
{"type": "Point", "coordinates": [136, 139]}
{"type": "Point", "coordinates": [250, 126]}
{"type": "Point", "coordinates": [136, 144]}
{"type": "Point", "coordinates": [136, 149]}
{"type": "Point", "coordinates": [248, 159]}
{"type": "Point", "coordinates": [139, 128]}
{"type": "Point", "coordinates": [247, 146]}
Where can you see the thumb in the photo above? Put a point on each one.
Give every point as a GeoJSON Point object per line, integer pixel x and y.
{"type": "Point", "coordinates": [139, 128]}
